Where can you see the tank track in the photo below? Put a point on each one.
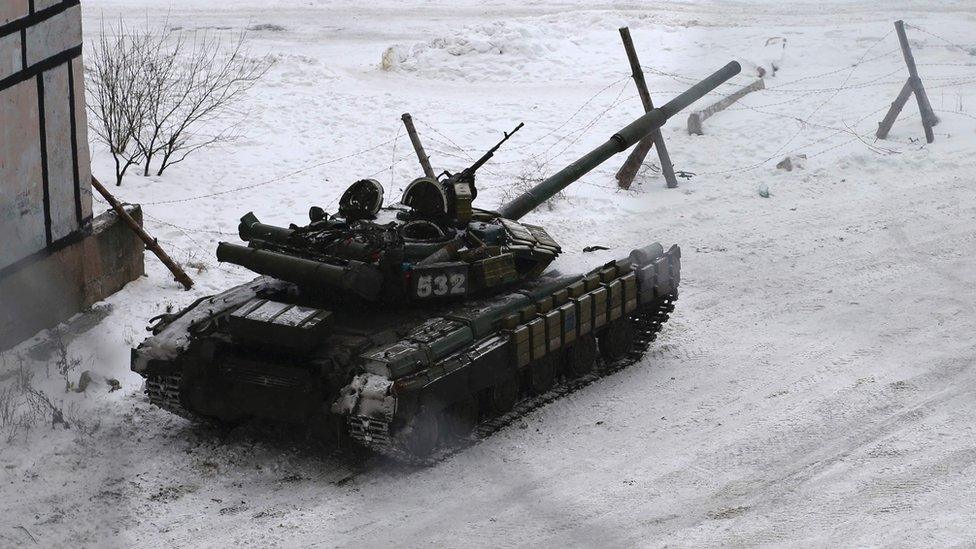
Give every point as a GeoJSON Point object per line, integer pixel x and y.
{"type": "Point", "coordinates": [344, 463]}
{"type": "Point", "coordinates": [376, 434]}
{"type": "Point", "coordinates": [164, 391]}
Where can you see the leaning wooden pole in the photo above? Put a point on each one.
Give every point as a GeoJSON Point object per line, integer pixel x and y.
{"type": "Point", "coordinates": [896, 106]}
{"type": "Point", "coordinates": [150, 242]}
{"type": "Point", "coordinates": [923, 99]}
{"type": "Point", "coordinates": [627, 172]}
{"type": "Point", "coordinates": [418, 147]}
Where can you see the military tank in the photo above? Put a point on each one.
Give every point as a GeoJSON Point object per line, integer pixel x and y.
{"type": "Point", "coordinates": [402, 329]}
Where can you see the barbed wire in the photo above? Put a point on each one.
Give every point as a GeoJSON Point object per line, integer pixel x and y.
{"type": "Point", "coordinates": [933, 35]}
{"type": "Point", "coordinates": [856, 64]}
{"type": "Point", "coordinates": [182, 228]}
{"type": "Point", "coordinates": [575, 113]}
{"type": "Point", "coordinates": [394, 162]}
{"type": "Point", "coordinates": [617, 101]}
{"type": "Point", "coordinates": [186, 232]}
{"type": "Point", "coordinates": [579, 132]}
{"type": "Point", "coordinates": [543, 158]}
{"type": "Point", "coordinates": [751, 167]}
{"type": "Point", "coordinates": [447, 141]}
{"type": "Point", "coordinates": [522, 146]}
{"type": "Point", "coordinates": [832, 96]}
{"type": "Point", "coordinates": [961, 113]}
{"type": "Point", "coordinates": [274, 179]}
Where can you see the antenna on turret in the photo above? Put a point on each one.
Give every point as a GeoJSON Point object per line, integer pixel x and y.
{"type": "Point", "coordinates": [418, 146]}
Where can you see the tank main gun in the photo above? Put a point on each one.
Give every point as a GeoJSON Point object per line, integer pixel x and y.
{"type": "Point", "coordinates": [434, 245]}
{"type": "Point", "coordinates": [618, 142]}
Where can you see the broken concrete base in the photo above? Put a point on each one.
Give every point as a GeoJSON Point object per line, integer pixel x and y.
{"type": "Point", "coordinates": [58, 285]}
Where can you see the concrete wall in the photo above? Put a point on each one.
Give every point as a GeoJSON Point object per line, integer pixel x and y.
{"type": "Point", "coordinates": [45, 189]}
{"type": "Point", "coordinates": [54, 260]}
{"type": "Point", "coordinates": [54, 287]}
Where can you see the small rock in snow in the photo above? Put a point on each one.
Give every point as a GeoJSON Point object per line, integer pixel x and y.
{"type": "Point", "coordinates": [792, 162]}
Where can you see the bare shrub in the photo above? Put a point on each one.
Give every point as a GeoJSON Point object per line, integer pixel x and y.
{"type": "Point", "coordinates": [203, 76]}
{"type": "Point", "coordinates": [18, 414]}
{"type": "Point", "coordinates": [8, 406]}
{"type": "Point", "coordinates": [65, 363]}
{"type": "Point", "coordinates": [24, 406]}
{"type": "Point", "coordinates": [163, 94]}
{"type": "Point", "coordinates": [193, 261]}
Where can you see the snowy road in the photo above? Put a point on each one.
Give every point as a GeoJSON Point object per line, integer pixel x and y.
{"type": "Point", "coordinates": [815, 386]}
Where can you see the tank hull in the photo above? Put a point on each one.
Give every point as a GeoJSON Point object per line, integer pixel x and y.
{"type": "Point", "coordinates": [405, 382]}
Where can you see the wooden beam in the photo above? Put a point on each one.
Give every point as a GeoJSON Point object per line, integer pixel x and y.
{"type": "Point", "coordinates": [885, 125]}
{"type": "Point", "coordinates": [924, 107]}
{"type": "Point", "coordinates": [919, 91]}
{"type": "Point", "coordinates": [149, 241]}
{"type": "Point", "coordinates": [627, 172]}
{"type": "Point", "coordinates": [696, 118]}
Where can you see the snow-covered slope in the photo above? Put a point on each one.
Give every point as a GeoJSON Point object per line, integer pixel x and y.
{"type": "Point", "coordinates": [814, 387]}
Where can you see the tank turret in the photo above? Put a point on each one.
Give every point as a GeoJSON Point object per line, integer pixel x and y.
{"type": "Point", "coordinates": [434, 245]}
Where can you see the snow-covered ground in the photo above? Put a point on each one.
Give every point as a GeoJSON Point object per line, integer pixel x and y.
{"type": "Point", "coordinates": [815, 386]}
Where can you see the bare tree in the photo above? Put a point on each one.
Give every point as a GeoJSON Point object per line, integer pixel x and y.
{"type": "Point", "coordinates": [116, 100]}
{"type": "Point", "coordinates": [159, 94]}
{"type": "Point", "coordinates": [214, 75]}
{"type": "Point", "coordinates": [159, 73]}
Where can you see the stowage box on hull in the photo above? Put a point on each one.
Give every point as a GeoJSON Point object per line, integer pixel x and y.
{"type": "Point", "coordinates": [280, 324]}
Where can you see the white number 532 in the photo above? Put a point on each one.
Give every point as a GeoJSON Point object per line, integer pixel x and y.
{"type": "Point", "coordinates": [441, 284]}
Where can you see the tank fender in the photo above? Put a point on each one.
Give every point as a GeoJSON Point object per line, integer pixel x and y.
{"type": "Point", "coordinates": [493, 361]}
{"type": "Point", "coordinates": [174, 338]}
{"type": "Point", "coordinates": [367, 395]}
{"type": "Point", "coordinates": [457, 376]}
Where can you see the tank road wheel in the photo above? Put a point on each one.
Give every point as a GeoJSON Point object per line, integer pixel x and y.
{"type": "Point", "coordinates": [542, 374]}
{"type": "Point", "coordinates": [617, 340]}
{"type": "Point", "coordinates": [581, 357]}
{"type": "Point", "coordinates": [421, 434]}
{"type": "Point", "coordinates": [504, 395]}
{"type": "Point", "coordinates": [462, 417]}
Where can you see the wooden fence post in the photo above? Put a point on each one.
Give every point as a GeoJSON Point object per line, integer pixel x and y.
{"type": "Point", "coordinates": [913, 86]}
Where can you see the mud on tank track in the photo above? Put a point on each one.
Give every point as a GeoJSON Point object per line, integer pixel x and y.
{"type": "Point", "coordinates": [352, 462]}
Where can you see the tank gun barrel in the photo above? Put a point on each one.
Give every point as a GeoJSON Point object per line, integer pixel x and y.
{"type": "Point", "coordinates": [619, 142]}
{"type": "Point", "coordinates": [354, 276]}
